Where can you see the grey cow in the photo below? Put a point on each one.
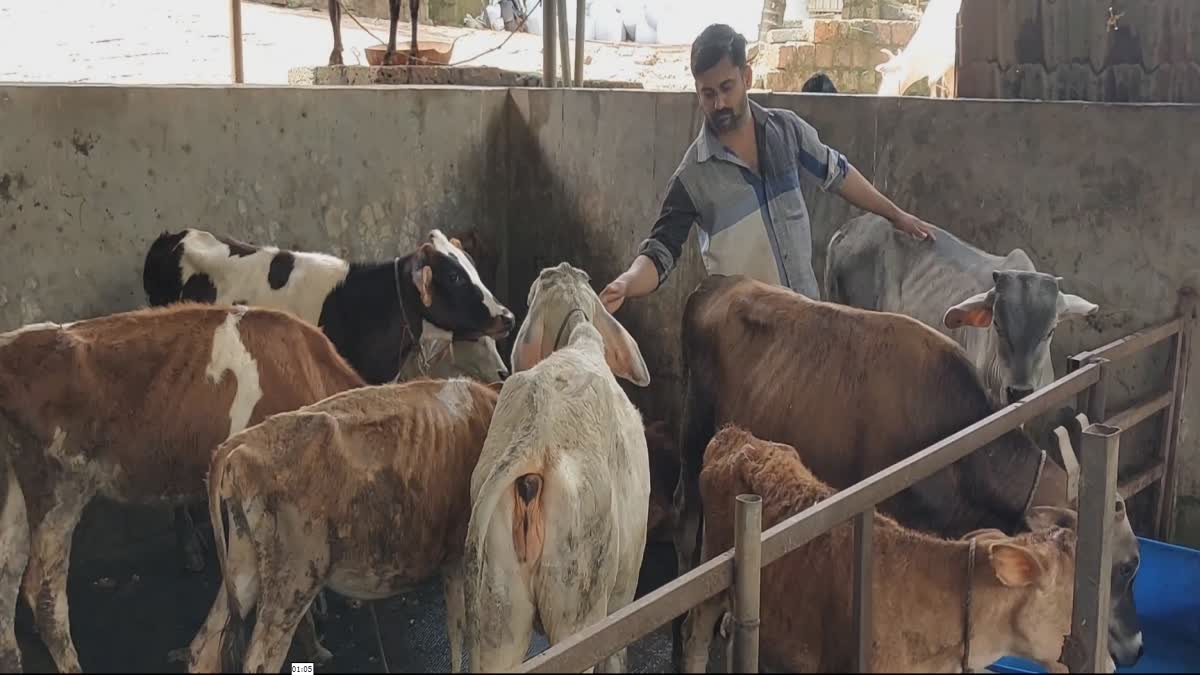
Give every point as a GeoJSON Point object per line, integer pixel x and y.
{"type": "Point", "coordinates": [1000, 309]}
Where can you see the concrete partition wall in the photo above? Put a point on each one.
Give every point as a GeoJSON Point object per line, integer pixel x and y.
{"type": "Point", "coordinates": [1103, 195]}
{"type": "Point", "coordinates": [90, 175]}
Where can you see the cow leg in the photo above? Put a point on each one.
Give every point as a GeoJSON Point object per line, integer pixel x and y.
{"type": "Point", "coordinates": [698, 628]}
{"type": "Point", "coordinates": [46, 579]}
{"type": "Point", "coordinates": [499, 616]}
{"type": "Point", "coordinates": [310, 642]}
{"type": "Point", "coordinates": [699, 425]}
{"type": "Point", "coordinates": [389, 57]}
{"type": "Point", "coordinates": [335, 17]}
{"type": "Point", "coordinates": [188, 539]}
{"type": "Point", "coordinates": [293, 554]}
{"type": "Point", "coordinates": [456, 611]}
{"type": "Point", "coordinates": [14, 554]}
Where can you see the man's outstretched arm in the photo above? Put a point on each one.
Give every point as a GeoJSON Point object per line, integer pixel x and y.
{"type": "Point", "coordinates": [857, 190]}
{"type": "Point", "coordinates": [658, 253]}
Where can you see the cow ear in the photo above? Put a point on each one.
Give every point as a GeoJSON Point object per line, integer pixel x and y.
{"type": "Point", "coordinates": [527, 348]}
{"type": "Point", "coordinates": [1071, 306]}
{"type": "Point", "coordinates": [1041, 518]}
{"type": "Point", "coordinates": [495, 386]}
{"type": "Point", "coordinates": [423, 280]}
{"type": "Point", "coordinates": [975, 311]}
{"type": "Point", "coordinates": [456, 243]}
{"type": "Point", "coordinates": [1015, 566]}
{"type": "Point", "coordinates": [620, 349]}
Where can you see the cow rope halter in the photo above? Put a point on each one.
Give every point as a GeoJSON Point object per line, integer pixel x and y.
{"type": "Point", "coordinates": [407, 328]}
{"type": "Point", "coordinates": [563, 326]}
{"type": "Point", "coordinates": [966, 656]}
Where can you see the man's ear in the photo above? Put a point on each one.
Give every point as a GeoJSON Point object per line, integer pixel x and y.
{"type": "Point", "coordinates": [748, 75]}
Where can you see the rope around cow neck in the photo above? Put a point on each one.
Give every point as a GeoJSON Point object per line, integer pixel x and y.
{"type": "Point", "coordinates": [563, 326]}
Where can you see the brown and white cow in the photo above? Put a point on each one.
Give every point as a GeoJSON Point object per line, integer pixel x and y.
{"type": "Point", "coordinates": [365, 492]}
{"type": "Point", "coordinates": [1018, 588]}
{"type": "Point", "coordinates": [131, 407]}
{"type": "Point", "coordinates": [560, 494]}
{"type": "Point", "coordinates": [855, 391]}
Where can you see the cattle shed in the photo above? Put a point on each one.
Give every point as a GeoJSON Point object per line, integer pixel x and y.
{"type": "Point", "coordinates": [1102, 194]}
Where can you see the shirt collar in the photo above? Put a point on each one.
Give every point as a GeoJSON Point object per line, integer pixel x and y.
{"type": "Point", "coordinates": [710, 146]}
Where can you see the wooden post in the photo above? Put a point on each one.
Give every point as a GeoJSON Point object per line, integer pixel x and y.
{"type": "Point", "coordinates": [1097, 401]}
{"type": "Point", "coordinates": [1086, 649]}
{"type": "Point", "coordinates": [235, 40]}
{"type": "Point", "coordinates": [580, 40]}
{"type": "Point", "coordinates": [747, 571]}
{"type": "Point", "coordinates": [549, 24]}
{"type": "Point", "coordinates": [564, 41]}
{"type": "Point", "coordinates": [864, 544]}
{"type": "Point", "coordinates": [1165, 509]}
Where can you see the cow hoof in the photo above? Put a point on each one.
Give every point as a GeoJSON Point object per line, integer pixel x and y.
{"type": "Point", "coordinates": [181, 655]}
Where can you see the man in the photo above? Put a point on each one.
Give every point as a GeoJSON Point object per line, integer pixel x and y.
{"type": "Point", "coordinates": [740, 180]}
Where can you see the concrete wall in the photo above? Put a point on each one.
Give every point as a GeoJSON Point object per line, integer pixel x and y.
{"type": "Point", "coordinates": [1103, 195]}
{"type": "Point", "coordinates": [90, 175]}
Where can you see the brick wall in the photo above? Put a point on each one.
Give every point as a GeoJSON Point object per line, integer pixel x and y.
{"type": "Point", "coordinates": [845, 50]}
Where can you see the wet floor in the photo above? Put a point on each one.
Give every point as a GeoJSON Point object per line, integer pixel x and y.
{"type": "Point", "coordinates": [128, 611]}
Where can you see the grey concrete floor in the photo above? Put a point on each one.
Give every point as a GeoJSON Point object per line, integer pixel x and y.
{"type": "Point", "coordinates": [132, 603]}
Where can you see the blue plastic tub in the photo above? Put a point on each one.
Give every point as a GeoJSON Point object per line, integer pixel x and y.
{"type": "Point", "coordinates": [1167, 593]}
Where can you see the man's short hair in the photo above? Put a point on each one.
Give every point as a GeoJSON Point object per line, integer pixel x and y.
{"type": "Point", "coordinates": [715, 43]}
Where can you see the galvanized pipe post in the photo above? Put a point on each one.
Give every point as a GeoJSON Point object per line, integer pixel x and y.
{"type": "Point", "coordinates": [580, 20]}
{"type": "Point", "coordinates": [747, 573]}
{"type": "Point", "coordinates": [1165, 509]}
{"type": "Point", "coordinates": [235, 40]}
{"type": "Point", "coordinates": [1086, 649]}
{"type": "Point", "coordinates": [549, 24]}
{"type": "Point", "coordinates": [864, 544]}
{"type": "Point", "coordinates": [564, 41]}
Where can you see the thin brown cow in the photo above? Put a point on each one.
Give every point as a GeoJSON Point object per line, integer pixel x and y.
{"type": "Point", "coordinates": [1017, 590]}
{"type": "Point", "coordinates": [131, 407]}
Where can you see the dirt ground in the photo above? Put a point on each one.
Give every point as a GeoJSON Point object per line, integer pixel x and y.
{"type": "Point", "coordinates": [156, 42]}
{"type": "Point", "coordinates": [133, 603]}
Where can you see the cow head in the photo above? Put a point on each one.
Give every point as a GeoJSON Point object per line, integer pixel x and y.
{"type": "Point", "coordinates": [553, 298]}
{"type": "Point", "coordinates": [1022, 310]}
{"type": "Point", "coordinates": [1124, 628]}
{"type": "Point", "coordinates": [452, 295]}
{"type": "Point", "coordinates": [1034, 574]}
{"type": "Point", "coordinates": [440, 356]}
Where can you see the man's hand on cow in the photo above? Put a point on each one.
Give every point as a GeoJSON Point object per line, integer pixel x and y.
{"type": "Point", "coordinates": [914, 226]}
{"type": "Point", "coordinates": [613, 295]}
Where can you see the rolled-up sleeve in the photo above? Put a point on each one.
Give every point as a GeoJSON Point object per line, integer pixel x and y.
{"type": "Point", "coordinates": [664, 246]}
{"type": "Point", "coordinates": [820, 163]}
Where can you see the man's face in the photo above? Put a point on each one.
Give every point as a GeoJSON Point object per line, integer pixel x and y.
{"type": "Point", "coordinates": [722, 90]}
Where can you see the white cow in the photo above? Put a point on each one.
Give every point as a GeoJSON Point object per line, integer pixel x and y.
{"type": "Point", "coordinates": [929, 54]}
{"type": "Point", "coordinates": [561, 492]}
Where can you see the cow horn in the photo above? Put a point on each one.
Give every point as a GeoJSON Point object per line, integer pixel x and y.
{"type": "Point", "coordinates": [1070, 460]}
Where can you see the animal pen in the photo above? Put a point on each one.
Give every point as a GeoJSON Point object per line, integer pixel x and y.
{"type": "Point", "coordinates": [1085, 650]}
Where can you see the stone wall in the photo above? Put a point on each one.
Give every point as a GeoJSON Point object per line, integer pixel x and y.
{"type": "Point", "coordinates": [907, 10]}
{"type": "Point", "coordinates": [845, 50]}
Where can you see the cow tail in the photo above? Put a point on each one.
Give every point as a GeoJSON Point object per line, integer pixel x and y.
{"type": "Point", "coordinates": [832, 290]}
{"type": "Point", "coordinates": [233, 635]}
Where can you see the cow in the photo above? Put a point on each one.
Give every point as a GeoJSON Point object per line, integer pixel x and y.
{"type": "Point", "coordinates": [374, 312]}
{"type": "Point", "coordinates": [662, 448]}
{"type": "Point", "coordinates": [1010, 595]}
{"type": "Point", "coordinates": [560, 495]}
{"type": "Point", "coordinates": [1000, 309]}
{"type": "Point", "coordinates": [130, 407]}
{"type": "Point", "coordinates": [389, 57]}
{"type": "Point", "coordinates": [368, 310]}
{"type": "Point", "coordinates": [929, 54]}
{"type": "Point", "coordinates": [819, 83]}
{"type": "Point", "coordinates": [855, 391]}
{"type": "Point", "coordinates": [365, 492]}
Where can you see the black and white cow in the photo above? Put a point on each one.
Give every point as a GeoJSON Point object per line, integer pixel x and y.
{"type": "Point", "coordinates": [374, 313]}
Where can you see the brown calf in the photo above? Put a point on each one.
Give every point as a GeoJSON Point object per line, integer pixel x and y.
{"type": "Point", "coordinates": [1019, 589]}
{"type": "Point", "coordinates": [367, 492]}
{"type": "Point", "coordinates": [131, 407]}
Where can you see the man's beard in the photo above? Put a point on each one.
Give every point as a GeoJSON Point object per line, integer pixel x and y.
{"type": "Point", "coordinates": [724, 120]}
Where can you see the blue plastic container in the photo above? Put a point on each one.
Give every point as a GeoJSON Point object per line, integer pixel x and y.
{"type": "Point", "coordinates": [1167, 593]}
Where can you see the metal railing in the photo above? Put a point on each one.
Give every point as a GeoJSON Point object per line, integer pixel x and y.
{"type": "Point", "coordinates": [825, 6]}
{"type": "Point", "coordinates": [1085, 650]}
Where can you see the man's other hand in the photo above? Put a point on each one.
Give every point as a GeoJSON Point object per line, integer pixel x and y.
{"type": "Point", "coordinates": [613, 295]}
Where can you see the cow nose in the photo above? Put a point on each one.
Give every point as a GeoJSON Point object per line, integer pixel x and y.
{"type": "Point", "coordinates": [1017, 393]}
